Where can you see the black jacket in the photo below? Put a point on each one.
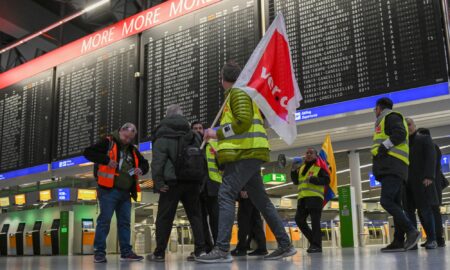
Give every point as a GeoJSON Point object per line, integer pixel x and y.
{"type": "Point", "coordinates": [210, 188]}
{"type": "Point", "coordinates": [165, 140]}
{"type": "Point", "coordinates": [387, 165]}
{"type": "Point", "coordinates": [322, 179]}
{"type": "Point", "coordinates": [98, 153]}
{"type": "Point", "coordinates": [441, 182]}
{"type": "Point", "coordinates": [422, 158]}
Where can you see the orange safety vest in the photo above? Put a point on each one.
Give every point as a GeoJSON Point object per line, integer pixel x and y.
{"type": "Point", "coordinates": [105, 174]}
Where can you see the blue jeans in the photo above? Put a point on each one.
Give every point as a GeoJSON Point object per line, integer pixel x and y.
{"type": "Point", "coordinates": [246, 174]}
{"type": "Point", "coordinates": [113, 200]}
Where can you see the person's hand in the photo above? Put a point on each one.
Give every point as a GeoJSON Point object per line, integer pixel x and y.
{"type": "Point", "coordinates": [313, 180]}
{"type": "Point", "coordinates": [427, 182]}
{"type": "Point", "coordinates": [244, 195]}
{"type": "Point", "coordinates": [112, 164]}
{"type": "Point", "coordinates": [138, 171]}
{"type": "Point", "coordinates": [382, 150]}
{"type": "Point", "coordinates": [295, 166]}
{"type": "Point", "coordinates": [164, 189]}
{"type": "Point", "coordinates": [210, 134]}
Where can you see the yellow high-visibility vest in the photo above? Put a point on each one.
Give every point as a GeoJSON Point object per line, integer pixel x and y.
{"type": "Point", "coordinates": [255, 137]}
{"type": "Point", "coordinates": [306, 189]}
{"type": "Point", "coordinates": [213, 170]}
{"type": "Point", "coordinates": [400, 151]}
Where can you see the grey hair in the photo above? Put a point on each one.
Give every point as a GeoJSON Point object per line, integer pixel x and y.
{"type": "Point", "coordinates": [129, 127]}
{"type": "Point", "coordinates": [174, 109]}
{"type": "Point", "coordinates": [410, 120]}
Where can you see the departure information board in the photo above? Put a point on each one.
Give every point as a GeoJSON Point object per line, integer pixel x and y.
{"type": "Point", "coordinates": [25, 122]}
{"type": "Point", "coordinates": [349, 49]}
{"type": "Point", "coordinates": [96, 94]}
{"type": "Point", "coordinates": [183, 59]}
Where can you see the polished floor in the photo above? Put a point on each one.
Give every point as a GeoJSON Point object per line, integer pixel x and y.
{"type": "Point", "coordinates": [331, 259]}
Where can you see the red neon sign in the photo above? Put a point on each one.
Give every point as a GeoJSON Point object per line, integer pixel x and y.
{"type": "Point", "coordinates": [130, 26]}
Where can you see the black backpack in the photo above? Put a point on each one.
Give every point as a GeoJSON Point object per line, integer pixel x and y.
{"type": "Point", "coordinates": [190, 164]}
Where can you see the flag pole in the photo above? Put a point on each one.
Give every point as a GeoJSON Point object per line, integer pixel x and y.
{"type": "Point", "coordinates": [217, 118]}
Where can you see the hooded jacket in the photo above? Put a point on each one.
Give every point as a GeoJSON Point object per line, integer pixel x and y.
{"type": "Point", "coordinates": [165, 140]}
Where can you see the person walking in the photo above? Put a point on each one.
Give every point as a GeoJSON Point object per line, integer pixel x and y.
{"type": "Point", "coordinates": [310, 179]}
{"type": "Point", "coordinates": [242, 148]}
{"type": "Point", "coordinates": [420, 193]}
{"type": "Point", "coordinates": [390, 152]}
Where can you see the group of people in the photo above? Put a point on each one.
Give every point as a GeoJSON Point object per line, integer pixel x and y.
{"type": "Point", "coordinates": [407, 163]}
{"type": "Point", "coordinates": [206, 180]}
{"type": "Point", "coordinates": [208, 170]}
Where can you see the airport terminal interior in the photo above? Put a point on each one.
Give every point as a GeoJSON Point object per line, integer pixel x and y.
{"type": "Point", "coordinates": [72, 71]}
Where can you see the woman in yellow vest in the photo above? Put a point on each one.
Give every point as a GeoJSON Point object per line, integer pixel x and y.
{"type": "Point", "coordinates": [310, 179]}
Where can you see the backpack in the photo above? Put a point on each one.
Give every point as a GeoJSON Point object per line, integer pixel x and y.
{"type": "Point", "coordinates": [190, 164]}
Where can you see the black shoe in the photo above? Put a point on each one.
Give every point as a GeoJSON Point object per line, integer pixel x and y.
{"type": "Point", "coordinates": [191, 257]}
{"type": "Point", "coordinates": [431, 245]}
{"type": "Point", "coordinates": [156, 258]}
{"type": "Point", "coordinates": [238, 253]}
{"type": "Point", "coordinates": [314, 250]}
{"type": "Point", "coordinates": [424, 244]}
{"type": "Point", "coordinates": [412, 238]}
{"type": "Point", "coordinates": [281, 253]}
{"type": "Point", "coordinates": [393, 247]}
{"type": "Point", "coordinates": [258, 252]}
{"type": "Point", "coordinates": [100, 258]}
{"type": "Point", "coordinates": [441, 244]}
{"type": "Point", "coordinates": [132, 257]}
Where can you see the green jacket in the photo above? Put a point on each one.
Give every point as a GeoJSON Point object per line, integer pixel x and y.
{"type": "Point", "coordinates": [242, 109]}
{"type": "Point", "coordinates": [165, 148]}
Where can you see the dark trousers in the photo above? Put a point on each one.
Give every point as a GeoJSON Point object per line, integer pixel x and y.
{"type": "Point", "coordinates": [391, 201]}
{"type": "Point", "coordinates": [426, 219]}
{"type": "Point", "coordinates": [250, 226]}
{"type": "Point", "coordinates": [210, 218]}
{"type": "Point", "coordinates": [237, 175]}
{"type": "Point", "coordinates": [118, 201]}
{"type": "Point", "coordinates": [438, 224]}
{"type": "Point", "coordinates": [189, 195]}
{"type": "Point", "coordinates": [424, 211]}
{"type": "Point", "coordinates": [313, 234]}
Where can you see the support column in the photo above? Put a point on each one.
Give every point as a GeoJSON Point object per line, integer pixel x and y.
{"type": "Point", "coordinates": [355, 182]}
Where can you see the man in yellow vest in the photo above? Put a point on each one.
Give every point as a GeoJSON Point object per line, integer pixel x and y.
{"type": "Point", "coordinates": [390, 153]}
{"type": "Point", "coordinates": [311, 179]}
{"type": "Point", "coordinates": [209, 191]}
{"type": "Point", "coordinates": [242, 149]}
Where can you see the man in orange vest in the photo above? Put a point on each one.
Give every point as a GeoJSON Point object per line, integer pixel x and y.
{"type": "Point", "coordinates": [118, 164]}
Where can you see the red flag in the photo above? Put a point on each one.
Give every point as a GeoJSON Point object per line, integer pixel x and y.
{"type": "Point", "coordinates": [269, 79]}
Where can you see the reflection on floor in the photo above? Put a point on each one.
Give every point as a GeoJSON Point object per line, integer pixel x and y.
{"type": "Point", "coordinates": [331, 259]}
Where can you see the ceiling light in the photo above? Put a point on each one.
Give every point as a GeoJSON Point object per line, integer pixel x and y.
{"type": "Point", "coordinates": [371, 198]}
{"type": "Point", "coordinates": [280, 186]}
{"type": "Point", "coordinates": [54, 25]}
{"type": "Point", "coordinates": [289, 196]}
{"type": "Point", "coordinates": [444, 146]}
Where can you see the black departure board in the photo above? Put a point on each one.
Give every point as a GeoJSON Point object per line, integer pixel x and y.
{"type": "Point", "coordinates": [25, 122]}
{"type": "Point", "coordinates": [348, 49]}
{"type": "Point", "coordinates": [182, 59]}
{"type": "Point", "coordinates": [96, 94]}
